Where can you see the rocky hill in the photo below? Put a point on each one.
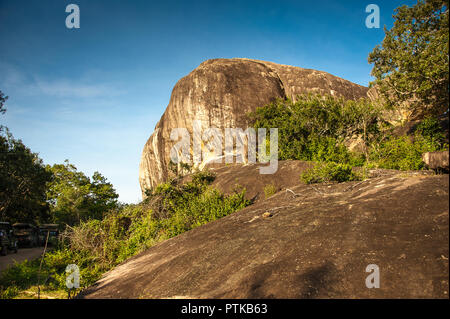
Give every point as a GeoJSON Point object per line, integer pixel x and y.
{"type": "Point", "coordinates": [220, 92]}
{"type": "Point", "coordinates": [306, 241]}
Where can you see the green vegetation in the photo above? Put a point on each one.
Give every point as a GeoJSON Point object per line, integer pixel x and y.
{"type": "Point", "coordinates": [180, 207]}
{"type": "Point", "coordinates": [74, 197]}
{"type": "Point", "coordinates": [317, 128]}
{"type": "Point", "coordinates": [23, 180]}
{"type": "Point", "coordinates": [269, 190]}
{"type": "Point", "coordinates": [405, 152]}
{"type": "Point", "coordinates": [411, 64]}
{"type": "Point", "coordinates": [32, 192]}
{"type": "Point", "coordinates": [98, 245]}
{"type": "Point", "coordinates": [329, 172]}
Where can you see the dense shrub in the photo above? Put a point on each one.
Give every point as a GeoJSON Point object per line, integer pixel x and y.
{"type": "Point", "coordinates": [329, 172]}
{"type": "Point", "coordinates": [431, 130]}
{"type": "Point", "coordinates": [314, 127]}
{"type": "Point", "coordinates": [403, 153]}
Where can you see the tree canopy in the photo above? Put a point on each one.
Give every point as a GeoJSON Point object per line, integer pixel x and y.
{"type": "Point", "coordinates": [33, 192]}
{"type": "Point", "coordinates": [75, 197]}
{"type": "Point", "coordinates": [23, 179]}
{"type": "Point", "coordinates": [411, 65]}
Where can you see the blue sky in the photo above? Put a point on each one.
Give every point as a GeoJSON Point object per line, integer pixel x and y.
{"type": "Point", "coordinates": [94, 95]}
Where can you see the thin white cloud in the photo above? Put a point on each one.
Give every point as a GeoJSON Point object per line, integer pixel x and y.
{"type": "Point", "coordinates": [69, 88]}
{"type": "Point", "coordinates": [11, 79]}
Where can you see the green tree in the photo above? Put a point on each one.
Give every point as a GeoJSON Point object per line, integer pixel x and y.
{"type": "Point", "coordinates": [74, 197]}
{"type": "Point", "coordinates": [411, 65]}
{"type": "Point", "coordinates": [23, 179]}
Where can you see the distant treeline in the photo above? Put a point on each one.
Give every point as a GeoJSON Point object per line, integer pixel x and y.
{"type": "Point", "coordinates": [33, 192]}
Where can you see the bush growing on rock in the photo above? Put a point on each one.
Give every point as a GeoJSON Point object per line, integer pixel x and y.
{"type": "Point", "coordinates": [316, 128]}
{"type": "Point", "coordinates": [403, 152]}
{"type": "Point", "coordinates": [269, 190]}
{"type": "Point", "coordinates": [329, 172]}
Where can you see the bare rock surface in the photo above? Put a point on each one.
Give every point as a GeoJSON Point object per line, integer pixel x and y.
{"type": "Point", "coordinates": [311, 241]}
{"type": "Point", "coordinates": [220, 92]}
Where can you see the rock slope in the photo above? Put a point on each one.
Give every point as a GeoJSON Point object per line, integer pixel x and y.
{"type": "Point", "coordinates": [219, 93]}
{"type": "Point", "coordinates": [311, 241]}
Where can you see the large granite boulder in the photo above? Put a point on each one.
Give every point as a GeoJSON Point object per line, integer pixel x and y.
{"type": "Point", "coordinates": [220, 92]}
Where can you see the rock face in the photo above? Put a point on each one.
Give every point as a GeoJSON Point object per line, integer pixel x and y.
{"type": "Point", "coordinates": [311, 241]}
{"type": "Point", "coordinates": [219, 93]}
